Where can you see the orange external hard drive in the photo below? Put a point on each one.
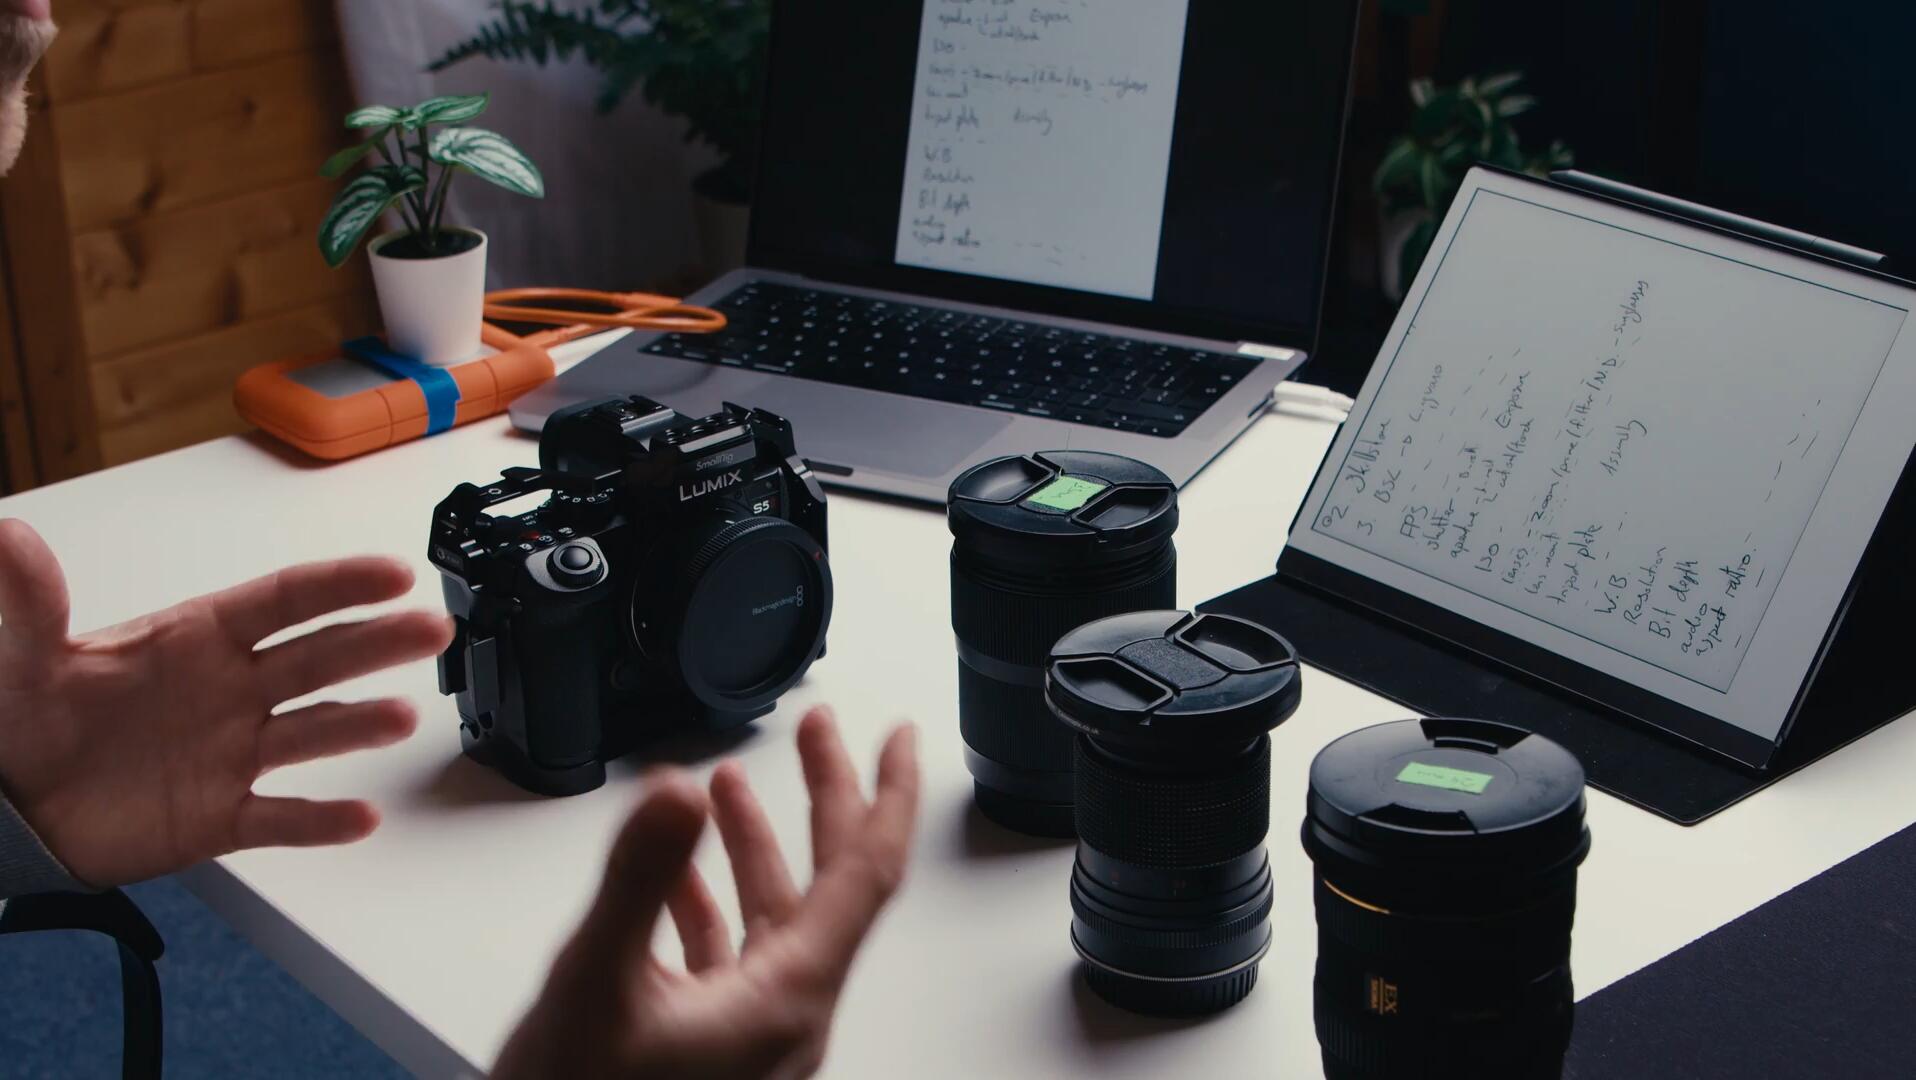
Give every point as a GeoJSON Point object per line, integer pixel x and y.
{"type": "Point", "coordinates": [360, 398]}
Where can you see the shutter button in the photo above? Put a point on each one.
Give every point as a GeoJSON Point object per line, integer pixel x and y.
{"type": "Point", "coordinates": [574, 564]}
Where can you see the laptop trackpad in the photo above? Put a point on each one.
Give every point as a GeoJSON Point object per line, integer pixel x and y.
{"type": "Point", "coordinates": [842, 426]}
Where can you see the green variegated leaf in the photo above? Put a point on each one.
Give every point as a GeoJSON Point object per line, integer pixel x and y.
{"type": "Point", "coordinates": [1492, 85]}
{"type": "Point", "coordinates": [1515, 105]}
{"type": "Point", "coordinates": [1399, 167]}
{"type": "Point", "coordinates": [489, 156]}
{"type": "Point", "coordinates": [358, 205]}
{"type": "Point", "coordinates": [400, 179]}
{"type": "Point", "coordinates": [449, 110]}
{"type": "Point", "coordinates": [374, 116]}
{"type": "Point", "coordinates": [347, 158]}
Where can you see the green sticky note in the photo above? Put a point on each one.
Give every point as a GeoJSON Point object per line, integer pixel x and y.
{"type": "Point", "coordinates": [1066, 493]}
{"type": "Point", "coordinates": [1443, 776]}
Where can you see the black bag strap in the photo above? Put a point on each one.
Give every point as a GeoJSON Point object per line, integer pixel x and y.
{"type": "Point", "coordinates": [114, 914]}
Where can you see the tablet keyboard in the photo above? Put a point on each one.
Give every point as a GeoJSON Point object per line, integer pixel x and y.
{"type": "Point", "coordinates": [944, 355]}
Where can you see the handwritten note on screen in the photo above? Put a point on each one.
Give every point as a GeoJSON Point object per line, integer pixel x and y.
{"type": "Point", "coordinates": [1619, 435]}
{"type": "Point", "coordinates": [1040, 140]}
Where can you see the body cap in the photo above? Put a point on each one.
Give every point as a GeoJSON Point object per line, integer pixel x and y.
{"type": "Point", "coordinates": [1172, 679]}
{"type": "Point", "coordinates": [1060, 505]}
{"type": "Point", "coordinates": [1472, 795]}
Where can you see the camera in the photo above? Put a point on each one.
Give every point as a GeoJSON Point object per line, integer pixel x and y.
{"type": "Point", "coordinates": [675, 577]}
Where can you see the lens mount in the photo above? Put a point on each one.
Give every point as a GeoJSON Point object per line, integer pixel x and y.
{"type": "Point", "coordinates": [754, 598]}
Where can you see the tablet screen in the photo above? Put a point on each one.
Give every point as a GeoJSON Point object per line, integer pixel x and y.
{"type": "Point", "coordinates": [1652, 449]}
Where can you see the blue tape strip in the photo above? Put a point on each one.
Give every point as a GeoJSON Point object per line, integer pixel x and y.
{"type": "Point", "coordinates": [440, 388]}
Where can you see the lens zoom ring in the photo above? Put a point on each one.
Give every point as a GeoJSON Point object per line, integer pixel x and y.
{"type": "Point", "coordinates": [1147, 938]}
{"type": "Point", "coordinates": [1187, 821]}
{"type": "Point", "coordinates": [1020, 628]}
{"type": "Point", "coordinates": [1010, 724]}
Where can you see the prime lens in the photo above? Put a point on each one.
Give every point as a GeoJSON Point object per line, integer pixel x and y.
{"type": "Point", "coordinates": [1042, 544]}
{"type": "Point", "coordinates": [1171, 892]}
{"type": "Point", "coordinates": [1446, 856]}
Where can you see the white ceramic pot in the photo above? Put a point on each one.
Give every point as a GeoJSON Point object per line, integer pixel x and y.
{"type": "Point", "coordinates": [432, 307]}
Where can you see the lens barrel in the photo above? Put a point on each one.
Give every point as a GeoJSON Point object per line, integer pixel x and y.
{"type": "Point", "coordinates": [1171, 892]}
{"type": "Point", "coordinates": [1042, 544]}
{"type": "Point", "coordinates": [1446, 857]}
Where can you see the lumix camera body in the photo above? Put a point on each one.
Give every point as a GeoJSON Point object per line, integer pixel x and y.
{"type": "Point", "coordinates": [676, 577]}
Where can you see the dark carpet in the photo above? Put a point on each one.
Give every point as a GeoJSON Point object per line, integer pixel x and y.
{"type": "Point", "coordinates": [229, 1010]}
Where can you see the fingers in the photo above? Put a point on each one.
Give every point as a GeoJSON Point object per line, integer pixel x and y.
{"type": "Point", "coordinates": [766, 894]}
{"type": "Point", "coordinates": [848, 894]}
{"type": "Point", "coordinates": [648, 861]}
{"type": "Point", "coordinates": [333, 654]}
{"type": "Point", "coordinates": [837, 804]}
{"type": "Point", "coordinates": [266, 605]}
{"type": "Point", "coordinates": [706, 939]}
{"type": "Point", "coordinates": [33, 590]}
{"type": "Point", "coordinates": [277, 822]}
{"type": "Point", "coordinates": [894, 813]}
{"type": "Point", "coordinates": [332, 728]}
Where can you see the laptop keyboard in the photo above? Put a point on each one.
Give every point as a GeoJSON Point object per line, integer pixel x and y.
{"type": "Point", "coordinates": [952, 356]}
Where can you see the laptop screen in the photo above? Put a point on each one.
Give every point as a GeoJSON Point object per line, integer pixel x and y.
{"type": "Point", "coordinates": [1167, 164]}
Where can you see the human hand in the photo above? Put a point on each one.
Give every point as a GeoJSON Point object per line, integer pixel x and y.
{"type": "Point", "coordinates": [611, 1009]}
{"type": "Point", "coordinates": [132, 751]}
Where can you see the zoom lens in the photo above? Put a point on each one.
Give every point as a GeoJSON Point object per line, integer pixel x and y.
{"type": "Point", "coordinates": [1042, 544]}
{"type": "Point", "coordinates": [1446, 854]}
{"type": "Point", "coordinates": [754, 602]}
{"type": "Point", "coordinates": [1171, 892]}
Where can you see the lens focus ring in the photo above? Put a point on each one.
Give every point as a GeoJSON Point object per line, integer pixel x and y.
{"type": "Point", "coordinates": [1154, 820]}
{"type": "Point", "coordinates": [1009, 623]}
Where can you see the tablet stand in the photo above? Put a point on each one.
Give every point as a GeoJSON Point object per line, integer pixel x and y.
{"type": "Point", "coordinates": [1865, 680]}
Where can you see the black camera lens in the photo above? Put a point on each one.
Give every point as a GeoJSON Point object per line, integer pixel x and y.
{"type": "Point", "coordinates": [753, 599]}
{"type": "Point", "coordinates": [1446, 857]}
{"type": "Point", "coordinates": [1171, 893]}
{"type": "Point", "coordinates": [1042, 544]}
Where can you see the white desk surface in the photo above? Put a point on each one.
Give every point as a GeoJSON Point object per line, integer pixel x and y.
{"type": "Point", "coordinates": [433, 935]}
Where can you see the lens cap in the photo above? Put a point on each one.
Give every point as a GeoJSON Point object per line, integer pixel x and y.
{"type": "Point", "coordinates": [756, 598]}
{"type": "Point", "coordinates": [1171, 677]}
{"type": "Point", "coordinates": [1059, 502]}
{"type": "Point", "coordinates": [1465, 794]}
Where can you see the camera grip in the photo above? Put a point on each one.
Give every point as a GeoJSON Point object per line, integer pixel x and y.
{"type": "Point", "coordinates": [564, 653]}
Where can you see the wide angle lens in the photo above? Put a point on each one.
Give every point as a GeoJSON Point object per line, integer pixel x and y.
{"type": "Point", "coordinates": [1171, 891]}
{"type": "Point", "coordinates": [1446, 857]}
{"type": "Point", "coordinates": [1042, 544]}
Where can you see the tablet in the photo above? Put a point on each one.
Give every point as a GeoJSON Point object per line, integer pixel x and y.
{"type": "Point", "coordinates": [1636, 456]}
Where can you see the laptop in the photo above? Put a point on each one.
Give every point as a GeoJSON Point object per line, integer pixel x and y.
{"type": "Point", "coordinates": [983, 229]}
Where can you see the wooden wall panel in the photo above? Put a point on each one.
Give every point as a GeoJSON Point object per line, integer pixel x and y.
{"type": "Point", "coordinates": [178, 144]}
{"type": "Point", "coordinates": [109, 46]}
{"type": "Point", "coordinates": [16, 434]}
{"type": "Point", "coordinates": [53, 359]}
{"type": "Point", "coordinates": [181, 393]}
{"type": "Point", "coordinates": [216, 264]}
{"type": "Point", "coordinates": [159, 231]}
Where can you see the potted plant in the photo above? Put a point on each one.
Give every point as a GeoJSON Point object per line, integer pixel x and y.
{"type": "Point", "coordinates": [1451, 129]}
{"type": "Point", "coordinates": [430, 276]}
{"type": "Point", "coordinates": [703, 60]}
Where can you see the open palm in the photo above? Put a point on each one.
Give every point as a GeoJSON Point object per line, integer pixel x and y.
{"type": "Point", "coordinates": [611, 1009]}
{"type": "Point", "coordinates": [133, 751]}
